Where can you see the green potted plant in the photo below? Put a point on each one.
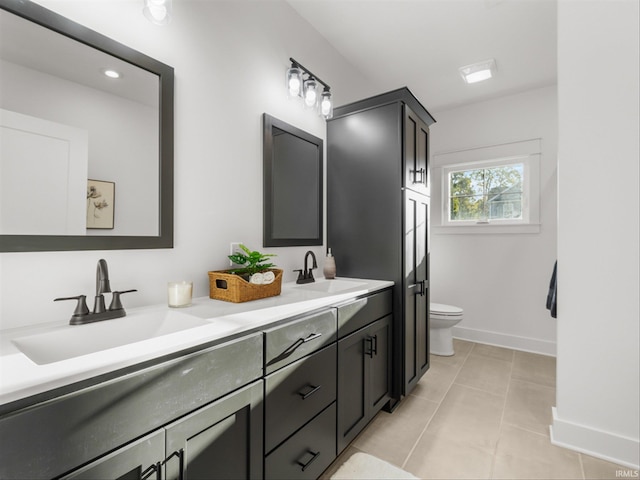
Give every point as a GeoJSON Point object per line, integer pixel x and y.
{"type": "Point", "coordinates": [251, 262]}
{"type": "Point", "coordinates": [255, 278]}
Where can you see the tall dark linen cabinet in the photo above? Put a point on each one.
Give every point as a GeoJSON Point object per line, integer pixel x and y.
{"type": "Point", "coordinates": [378, 214]}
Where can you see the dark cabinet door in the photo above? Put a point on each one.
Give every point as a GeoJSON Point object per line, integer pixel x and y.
{"type": "Point", "coordinates": [139, 460]}
{"type": "Point", "coordinates": [379, 363]}
{"type": "Point", "coordinates": [416, 286]}
{"type": "Point", "coordinates": [364, 378]}
{"type": "Point", "coordinates": [416, 153]}
{"type": "Point", "coordinates": [221, 441]}
{"type": "Point", "coordinates": [352, 396]}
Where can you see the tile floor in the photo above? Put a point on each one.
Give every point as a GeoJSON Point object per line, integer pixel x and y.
{"type": "Point", "coordinates": [482, 414]}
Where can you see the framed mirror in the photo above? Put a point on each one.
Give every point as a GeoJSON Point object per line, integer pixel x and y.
{"type": "Point", "coordinates": [86, 160]}
{"type": "Point", "coordinates": [293, 187]}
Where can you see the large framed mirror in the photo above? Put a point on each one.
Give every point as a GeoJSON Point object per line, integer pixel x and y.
{"type": "Point", "coordinates": [86, 161]}
{"type": "Point", "coordinates": [293, 186]}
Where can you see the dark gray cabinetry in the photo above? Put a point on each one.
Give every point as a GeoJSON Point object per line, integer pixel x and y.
{"type": "Point", "coordinates": [416, 288]}
{"type": "Point", "coordinates": [377, 160]}
{"type": "Point", "coordinates": [300, 397]}
{"type": "Point", "coordinates": [138, 460]}
{"type": "Point", "coordinates": [220, 441]}
{"type": "Point", "coordinates": [364, 366]}
{"type": "Point", "coordinates": [363, 378]}
{"type": "Point", "coordinates": [52, 438]}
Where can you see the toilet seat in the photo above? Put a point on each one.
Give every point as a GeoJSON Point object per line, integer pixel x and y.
{"type": "Point", "coordinates": [443, 310]}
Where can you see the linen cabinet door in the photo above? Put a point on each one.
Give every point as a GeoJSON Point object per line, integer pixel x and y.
{"type": "Point", "coordinates": [223, 440]}
{"type": "Point", "coordinates": [416, 332]}
{"type": "Point", "coordinates": [141, 460]}
{"type": "Point", "coordinates": [416, 153]}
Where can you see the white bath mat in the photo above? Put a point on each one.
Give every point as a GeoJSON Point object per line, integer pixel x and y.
{"type": "Point", "coordinates": [362, 466]}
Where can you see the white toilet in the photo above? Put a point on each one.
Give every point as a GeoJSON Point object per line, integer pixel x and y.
{"type": "Point", "coordinates": [442, 318]}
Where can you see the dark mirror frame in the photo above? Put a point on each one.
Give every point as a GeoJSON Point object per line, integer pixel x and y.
{"type": "Point", "coordinates": [269, 240]}
{"type": "Point", "coordinates": [40, 243]}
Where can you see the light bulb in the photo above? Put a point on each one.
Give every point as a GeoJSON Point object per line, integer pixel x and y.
{"type": "Point", "coordinates": [294, 81]}
{"type": "Point", "coordinates": [310, 92]}
{"type": "Point", "coordinates": [157, 11]}
{"type": "Point", "coordinates": [326, 104]}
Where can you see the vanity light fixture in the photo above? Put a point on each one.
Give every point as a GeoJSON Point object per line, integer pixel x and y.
{"type": "Point", "coordinates": [158, 12]}
{"type": "Point", "coordinates": [477, 72]}
{"type": "Point", "coordinates": [308, 88]}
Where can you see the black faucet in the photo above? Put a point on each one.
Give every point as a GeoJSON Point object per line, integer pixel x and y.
{"type": "Point", "coordinates": [306, 276]}
{"type": "Point", "coordinates": [82, 315]}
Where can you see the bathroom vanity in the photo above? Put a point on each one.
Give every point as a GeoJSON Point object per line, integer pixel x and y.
{"type": "Point", "coordinates": [274, 388]}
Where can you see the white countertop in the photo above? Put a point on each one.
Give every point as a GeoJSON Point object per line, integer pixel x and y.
{"type": "Point", "coordinates": [20, 377]}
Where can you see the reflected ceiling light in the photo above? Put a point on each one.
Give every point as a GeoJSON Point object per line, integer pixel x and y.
{"type": "Point", "coordinates": [308, 88]}
{"type": "Point", "coordinates": [478, 72]}
{"type": "Point", "coordinates": [158, 12]}
{"type": "Point", "coordinates": [111, 73]}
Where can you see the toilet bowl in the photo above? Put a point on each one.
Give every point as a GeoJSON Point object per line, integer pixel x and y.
{"type": "Point", "coordinates": [442, 319]}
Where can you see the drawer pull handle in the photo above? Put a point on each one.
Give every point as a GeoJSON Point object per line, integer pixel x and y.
{"type": "Point", "coordinates": [313, 390]}
{"type": "Point", "coordinates": [306, 465]}
{"type": "Point", "coordinates": [293, 347]}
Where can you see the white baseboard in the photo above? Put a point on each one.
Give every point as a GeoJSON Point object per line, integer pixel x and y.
{"type": "Point", "coordinates": [596, 443]}
{"type": "Point", "coordinates": [514, 342]}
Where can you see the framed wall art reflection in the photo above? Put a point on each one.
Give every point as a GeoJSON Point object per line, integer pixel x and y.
{"type": "Point", "coordinates": [100, 204]}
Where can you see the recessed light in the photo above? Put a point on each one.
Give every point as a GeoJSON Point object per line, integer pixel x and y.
{"type": "Point", "coordinates": [478, 72]}
{"type": "Point", "coordinates": [111, 73]}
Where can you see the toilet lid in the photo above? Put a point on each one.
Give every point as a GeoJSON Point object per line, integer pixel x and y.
{"type": "Point", "coordinates": [442, 309]}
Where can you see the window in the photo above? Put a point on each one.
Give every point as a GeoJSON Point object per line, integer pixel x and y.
{"type": "Point", "coordinates": [486, 194]}
{"type": "Point", "coordinates": [489, 189]}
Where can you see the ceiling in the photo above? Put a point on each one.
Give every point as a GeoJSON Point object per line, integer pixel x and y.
{"type": "Point", "coordinates": [422, 43]}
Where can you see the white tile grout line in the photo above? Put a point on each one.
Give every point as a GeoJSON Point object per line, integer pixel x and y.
{"type": "Point", "coordinates": [404, 463]}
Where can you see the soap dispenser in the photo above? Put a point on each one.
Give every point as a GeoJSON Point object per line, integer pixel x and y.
{"type": "Point", "coordinates": [329, 269]}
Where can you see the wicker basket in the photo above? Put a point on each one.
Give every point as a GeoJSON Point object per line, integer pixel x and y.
{"type": "Point", "coordinates": [233, 288]}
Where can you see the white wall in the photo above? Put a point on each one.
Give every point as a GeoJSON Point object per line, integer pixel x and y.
{"type": "Point", "coordinates": [500, 280]}
{"type": "Point", "coordinates": [598, 338]}
{"type": "Point", "coordinates": [230, 59]}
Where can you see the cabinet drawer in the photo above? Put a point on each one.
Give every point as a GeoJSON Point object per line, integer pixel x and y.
{"type": "Point", "coordinates": [363, 311]}
{"type": "Point", "coordinates": [308, 453]}
{"type": "Point", "coordinates": [297, 393]}
{"type": "Point", "coordinates": [295, 340]}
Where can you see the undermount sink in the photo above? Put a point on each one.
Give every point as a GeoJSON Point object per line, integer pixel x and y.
{"type": "Point", "coordinates": [72, 341]}
{"type": "Point", "coordinates": [331, 286]}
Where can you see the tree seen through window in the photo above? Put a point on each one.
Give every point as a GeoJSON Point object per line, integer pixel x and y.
{"type": "Point", "coordinates": [483, 194]}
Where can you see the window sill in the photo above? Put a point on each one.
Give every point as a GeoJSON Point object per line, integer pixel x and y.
{"type": "Point", "coordinates": [494, 229]}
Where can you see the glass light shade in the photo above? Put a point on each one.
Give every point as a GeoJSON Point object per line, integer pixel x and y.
{"type": "Point", "coordinates": [158, 11]}
{"type": "Point", "coordinates": [326, 104]}
{"type": "Point", "coordinates": [294, 82]}
{"type": "Point", "coordinates": [310, 92]}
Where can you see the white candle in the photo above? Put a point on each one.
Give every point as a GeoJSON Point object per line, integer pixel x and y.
{"type": "Point", "coordinates": [180, 294]}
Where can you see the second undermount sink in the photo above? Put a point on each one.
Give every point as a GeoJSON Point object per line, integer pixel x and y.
{"type": "Point", "coordinates": [331, 286]}
{"type": "Point", "coordinates": [72, 341]}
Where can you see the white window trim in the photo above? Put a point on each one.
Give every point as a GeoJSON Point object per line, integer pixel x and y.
{"type": "Point", "coordinates": [526, 152]}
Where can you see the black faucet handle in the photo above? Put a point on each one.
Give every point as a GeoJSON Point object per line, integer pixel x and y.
{"type": "Point", "coordinates": [116, 304]}
{"type": "Point", "coordinates": [300, 274]}
{"type": "Point", "coordinates": [81, 306]}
